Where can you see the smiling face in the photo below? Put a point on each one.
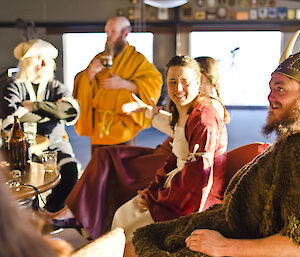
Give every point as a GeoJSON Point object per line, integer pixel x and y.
{"type": "Point", "coordinates": [284, 102]}
{"type": "Point", "coordinates": [183, 86]}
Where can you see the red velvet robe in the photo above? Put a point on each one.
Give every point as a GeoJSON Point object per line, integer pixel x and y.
{"type": "Point", "coordinates": [112, 177]}
{"type": "Point", "coordinates": [115, 173]}
{"type": "Point", "coordinates": [205, 128]}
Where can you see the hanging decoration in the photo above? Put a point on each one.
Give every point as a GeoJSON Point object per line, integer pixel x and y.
{"type": "Point", "coordinates": [137, 15]}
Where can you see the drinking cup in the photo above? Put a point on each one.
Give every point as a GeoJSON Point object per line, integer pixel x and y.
{"type": "Point", "coordinates": [30, 130]}
{"type": "Point", "coordinates": [49, 160]}
{"type": "Point", "coordinates": [107, 61]}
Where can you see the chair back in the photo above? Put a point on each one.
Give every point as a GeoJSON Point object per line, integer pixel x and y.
{"type": "Point", "coordinates": [112, 244]}
{"type": "Point", "coordinates": [240, 156]}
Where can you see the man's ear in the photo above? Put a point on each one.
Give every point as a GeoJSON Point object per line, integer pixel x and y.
{"type": "Point", "coordinates": [125, 32]}
{"type": "Point", "coordinates": [202, 79]}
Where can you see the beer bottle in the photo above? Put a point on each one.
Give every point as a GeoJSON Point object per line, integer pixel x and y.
{"type": "Point", "coordinates": [17, 148]}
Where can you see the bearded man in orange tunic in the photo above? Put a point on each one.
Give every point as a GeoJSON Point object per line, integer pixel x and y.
{"type": "Point", "coordinates": [102, 91]}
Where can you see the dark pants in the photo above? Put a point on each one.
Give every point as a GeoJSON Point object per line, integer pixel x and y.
{"type": "Point", "coordinates": [69, 176]}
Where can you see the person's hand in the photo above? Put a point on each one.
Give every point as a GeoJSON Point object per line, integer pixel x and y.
{"type": "Point", "coordinates": [132, 107]}
{"type": "Point", "coordinates": [95, 66]}
{"type": "Point", "coordinates": [207, 241]}
{"type": "Point", "coordinates": [114, 82]}
{"type": "Point", "coordinates": [27, 104]}
{"type": "Point", "coordinates": [142, 199]}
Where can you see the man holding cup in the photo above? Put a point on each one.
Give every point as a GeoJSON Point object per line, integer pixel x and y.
{"type": "Point", "coordinates": [36, 97]}
{"type": "Point", "coordinates": [101, 90]}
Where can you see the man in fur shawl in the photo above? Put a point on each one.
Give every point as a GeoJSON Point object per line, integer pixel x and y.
{"type": "Point", "coordinates": [260, 215]}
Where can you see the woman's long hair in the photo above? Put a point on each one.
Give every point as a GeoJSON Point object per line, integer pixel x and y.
{"type": "Point", "coordinates": [209, 67]}
{"type": "Point", "coordinates": [184, 61]}
{"type": "Point", "coordinates": [19, 237]}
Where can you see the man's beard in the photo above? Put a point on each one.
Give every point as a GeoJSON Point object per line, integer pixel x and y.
{"type": "Point", "coordinates": [44, 74]}
{"type": "Point", "coordinates": [287, 123]}
{"type": "Point", "coordinates": [116, 47]}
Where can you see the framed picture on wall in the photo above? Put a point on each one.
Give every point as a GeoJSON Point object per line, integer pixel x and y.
{"type": "Point", "coordinates": [200, 2]}
{"type": "Point", "coordinates": [211, 3]}
{"type": "Point", "coordinates": [253, 14]}
{"type": "Point", "coordinates": [221, 12]}
{"type": "Point", "coordinates": [282, 12]}
{"type": "Point", "coordinates": [262, 13]}
{"type": "Point", "coordinates": [162, 14]}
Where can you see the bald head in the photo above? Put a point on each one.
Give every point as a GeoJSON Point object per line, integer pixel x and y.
{"type": "Point", "coordinates": [119, 21]}
{"type": "Point", "coordinates": [117, 29]}
{"type": "Point", "coordinates": [119, 25]}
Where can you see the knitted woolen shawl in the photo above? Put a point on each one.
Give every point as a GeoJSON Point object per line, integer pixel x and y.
{"type": "Point", "coordinates": [262, 199]}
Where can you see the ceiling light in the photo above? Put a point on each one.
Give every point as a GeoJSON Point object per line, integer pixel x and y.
{"type": "Point", "coordinates": [165, 3]}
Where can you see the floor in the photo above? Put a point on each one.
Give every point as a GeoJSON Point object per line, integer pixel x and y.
{"type": "Point", "coordinates": [245, 127]}
{"type": "Point", "coordinates": [71, 236]}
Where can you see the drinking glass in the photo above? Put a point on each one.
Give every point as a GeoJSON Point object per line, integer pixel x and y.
{"type": "Point", "coordinates": [107, 61]}
{"type": "Point", "coordinates": [30, 130]}
{"type": "Point", "coordinates": [49, 160]}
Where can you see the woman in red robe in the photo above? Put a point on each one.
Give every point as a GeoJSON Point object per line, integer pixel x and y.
{"type": "Point", "coordinates": [186, 183]}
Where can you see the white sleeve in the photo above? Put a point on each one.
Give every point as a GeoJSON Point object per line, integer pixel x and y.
{"type": "Point", "coordinates": [161, 121]}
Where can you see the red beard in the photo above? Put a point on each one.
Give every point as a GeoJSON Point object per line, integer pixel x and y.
{"type": "Point", "coordinates": [116, 47]}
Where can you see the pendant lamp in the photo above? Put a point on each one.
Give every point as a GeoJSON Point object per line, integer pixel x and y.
{"type": "Point", "coordinates": [165, 3]}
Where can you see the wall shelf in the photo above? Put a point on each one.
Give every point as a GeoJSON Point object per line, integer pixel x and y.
{"type": "Point", "coordinates": [165, 26]}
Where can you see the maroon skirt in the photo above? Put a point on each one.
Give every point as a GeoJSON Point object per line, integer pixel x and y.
{"type": "Point", "coordinates": [112, 177]}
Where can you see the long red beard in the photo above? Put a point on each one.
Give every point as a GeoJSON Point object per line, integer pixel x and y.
{"type": "Point", "coordinates": [116, 47]}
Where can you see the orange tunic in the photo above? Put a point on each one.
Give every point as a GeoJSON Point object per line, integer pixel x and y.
{"type": "Point", "coordinates": [101, 117]}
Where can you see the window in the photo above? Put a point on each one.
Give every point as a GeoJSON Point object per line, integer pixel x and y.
{"type": "Point", "coordinates": [246, 61]}
{"type": "Point", "coordinates": [80, 48]}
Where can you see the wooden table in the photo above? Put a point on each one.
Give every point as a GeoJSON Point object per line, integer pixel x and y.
{"type": "Point", "coordinates": [35, 176]}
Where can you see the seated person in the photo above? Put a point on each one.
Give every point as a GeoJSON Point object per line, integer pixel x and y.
{"type": "Point", "coordinates": [210, 84]}
{"type": "Point", "coordinates": [35, 96]}
{"type": "Point", "coordinates": [260, 212]}
{"type": "Point", "coordinates": [126, 168]}
{"type": "Point", "coordinates": [183, 185]}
